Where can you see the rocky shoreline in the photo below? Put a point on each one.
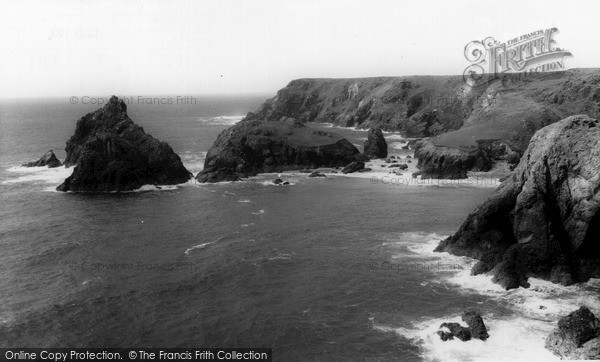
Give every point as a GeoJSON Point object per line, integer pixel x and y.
{"type": "Point", "coordinates": [542, 221]}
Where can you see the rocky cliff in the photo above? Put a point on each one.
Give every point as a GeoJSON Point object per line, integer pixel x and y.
{"type": "Point", "coordinates": [544, 220]}
{"type": "Point", "coordinates": [255, 146]}
{"type": "Point", "coordinates": [111, 153]}
{"type": "Point", "coordinates": [460, 121]}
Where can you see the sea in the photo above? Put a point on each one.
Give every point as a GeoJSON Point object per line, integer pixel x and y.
{"type": "Point", "coordinates": [334, 268]}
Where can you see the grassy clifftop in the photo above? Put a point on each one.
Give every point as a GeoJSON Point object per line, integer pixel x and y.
{"type": "Point", "coordinates": [511, 108]}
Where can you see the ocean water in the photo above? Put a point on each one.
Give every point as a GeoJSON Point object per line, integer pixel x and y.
{"type": "Point", "coordinates": [336, 268]}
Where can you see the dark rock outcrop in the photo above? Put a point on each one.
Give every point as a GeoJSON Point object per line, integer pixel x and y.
{"type": "Point", "coordinates": [476, 326]}
{"type": "Point", "coordinates": [354, 167]}
{"type": "Point", "coordinates": [544, 220]}
{"type": "Point", "coordinates": [375, 145]}
{"type": "Point", "coordinates": [48, 159]}
{"type": "Point", "coordinates": [317, 174]}
{"type": "Point", "coordinates": [577, 336]}
{"type": "Point", "coordinates": [111, 153]}
{"type": "Point", "coordinates": [457, 331]}
{"type": "Point", "coordinates": [449, 163]}
{"type": "Point", "coordinates": [258, 146]}
{"type": "Point", "coordinates": [445, 336]}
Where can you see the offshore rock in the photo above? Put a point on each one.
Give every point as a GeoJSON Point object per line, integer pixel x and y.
{"type": "Point", "coordinates": [111, 153]}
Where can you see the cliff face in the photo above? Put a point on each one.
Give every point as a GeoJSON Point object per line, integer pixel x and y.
{"type": "Point", "coordinates": [508, 110]}
{"type": "Point", "coordinates": [257, 146]}
{"type": "Point", "coordinates": [111, 153]}
{"type": "Point", "coordinates": [388, 103]}
{"type": "Point", "coordinates": [544, 220]}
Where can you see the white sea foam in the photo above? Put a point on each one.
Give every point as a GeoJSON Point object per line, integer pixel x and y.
{"type": "Point", "coordinates": [511, 339]}
{"type": "Point", "coordinates": [331, 125]}
{"type": "Point", "coordinates": [395, 137]}
{"type": "Point", "coordinates": [259, 212]}
{"type": "Point", "coordinates": [397, 145]}
{"type": "Point", "coordinates": [146, 188]}
{"type": "Point", "coordinates": [202, 246]}
{"type": "Point", "coordinates": [244, 201]}
{"type": "Point", "coordinates": [520, 336]}
{"type": "Point", "coordinates": [221, 120]}
{"type": "Point", "coordinates": [44, 175]}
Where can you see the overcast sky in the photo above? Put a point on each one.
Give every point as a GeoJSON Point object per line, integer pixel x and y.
{"type": "Point", "coordinates": [136, 47]}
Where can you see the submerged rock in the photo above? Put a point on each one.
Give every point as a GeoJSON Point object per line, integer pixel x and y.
{"type": "Point", "coordinates": [577, 336]}
{"type": "Point", "coordinates": [317, 174]}
{"type": "Point", "coordinates": [354, 167]}
{"type": "Point", "coordinates": [111, 153]}
{"type": "Point", "coordinates": [544, 220]}
{"type": "Point", "coordinates": [375, 145]}
{"type": "Point", "coordinates": [48, 159]}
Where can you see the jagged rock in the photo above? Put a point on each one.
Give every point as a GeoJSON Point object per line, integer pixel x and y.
{"type": "Point", "coordinates": [277, 181]}
{"type": "Point", "coordinates": [392, 157]}
{"type": "Point", "coordinates": [409, 156]}
{"type": "Point", "coordinates": [476, 325]}
{"type": "Point", "coordinates": [258, 146]}
{"type": "Point", "coordinates": [544, 220]}
{"type": "Point", "coordinates": [416, 174]}
{"type": "Point", "coordinates": [577, 336]}
{"type": "Point", "coordinates": [317, 174]}
{"type": "Point", "coordinates": [445, 336]}
{"type": "Point", "coordinates": [111, 153]}
{"type": "Point", "coordinates": [458, 331]}
{"type": "Point", "coordinates": [48, 159]}
{"type": "Point", "coordinates": [353, 167]}
{"type": "Point", "coordinates": [375, 145]}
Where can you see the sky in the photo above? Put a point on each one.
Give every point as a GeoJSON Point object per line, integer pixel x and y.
{"type": "Point", "coordinates": [136, 47]}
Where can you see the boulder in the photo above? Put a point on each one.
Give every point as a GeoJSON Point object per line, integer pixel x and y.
{"type": "Point", "coordinates": [574, 331]}
{"type": "Point", "coordinates": [48, 159]}
{"type": "Point", "coordinates": [457, 331]}
{"type": "Point", "coordinates": [544, 220]}
{"type": "Point", "coordinates": [375, 145]}
{"type": "Point", "coordinates": [353, 167]}
{"type": "Point", "coordinates": [445, 336]}
{"type": "Point", "coordinates": [476, 325]}
{"type": "Point", "coordinates": [111, 153]}
{"type": "Point", "coordinates": [317, 174]}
